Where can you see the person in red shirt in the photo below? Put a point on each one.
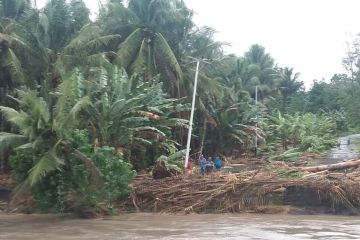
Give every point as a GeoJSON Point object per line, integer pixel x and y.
{"type": "Point", "coordinates": [189, 166]}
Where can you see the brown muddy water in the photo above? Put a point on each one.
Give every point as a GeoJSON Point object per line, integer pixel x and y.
{"type": "Point", "coordinates": [158, 226]}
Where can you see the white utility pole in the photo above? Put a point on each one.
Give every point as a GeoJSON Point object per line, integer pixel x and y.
{"type": "Point", "coordinates": [256, 118]}
{"type": "Point", "coordinates": [192, 114]}
{"type": "Point", "coordinates": [197, 60]}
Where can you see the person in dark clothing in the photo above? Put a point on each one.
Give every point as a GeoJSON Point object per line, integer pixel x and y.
{"type": "Point", "coordinates": [202, 164]}
{"type": "Point", "coordinates": [209, 166]}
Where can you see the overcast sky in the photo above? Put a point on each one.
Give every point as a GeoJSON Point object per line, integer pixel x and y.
{"type": "Point", "coordinates": [308, 35]}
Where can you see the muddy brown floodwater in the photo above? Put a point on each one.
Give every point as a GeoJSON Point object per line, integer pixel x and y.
{"type": "Point", "coordinates": [158, 226]}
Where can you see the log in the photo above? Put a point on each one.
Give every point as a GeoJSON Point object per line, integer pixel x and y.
{"type": "Point", "coordinates": [332, 167]}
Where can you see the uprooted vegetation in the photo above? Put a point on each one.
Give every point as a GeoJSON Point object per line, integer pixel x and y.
{"type": "Point", "coordinates": [262, 190]}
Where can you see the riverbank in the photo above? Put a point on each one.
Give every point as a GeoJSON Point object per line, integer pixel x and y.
{"type": "Point", "coordinates": [270, 189]}
{"type": "Point", "coordinates": [247, 185]}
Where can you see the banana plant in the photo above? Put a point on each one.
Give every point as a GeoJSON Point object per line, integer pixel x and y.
{"type": "Point", "coordinates": [299, 133]}
{"type": "Point", "coordinates": [125, 112]}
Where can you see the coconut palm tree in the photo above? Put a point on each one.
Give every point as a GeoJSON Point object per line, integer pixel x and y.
{"type": "Point", "coordinates": [289, 85]}
{"type": "Point", "coordinates": [63, 21]}
{"type": "Point", "coordinates": [242, 74]}
{"type": "Point", "coordinates": [263, 74]}
{"type": "Point", "coordinates": [22, 54]}
{"type": "Point", "coordinates": [43, 126]}
{"type": "Point", "coordinates": [200, 43]}
{"type": "Point", "coordinates": [231, 128]}
{"type": "Point", "coordinates": [70, 40]}
{"type": "Point", "coordinates": [149, 34]}
{"type": "Point", "coordinates": [19, 55]}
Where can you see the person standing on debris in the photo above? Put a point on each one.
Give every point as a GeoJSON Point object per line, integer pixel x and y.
{"type": "Point", "coordinates": [202, 164]}
{"type": "Point", "coordinates": [209, 166]}
{"type": "Point", "coordinates": [190, 164]}
{"type": "Point", "coordinates": [217, 164]}
{"type": "Point", "coordinates": [189, 167]}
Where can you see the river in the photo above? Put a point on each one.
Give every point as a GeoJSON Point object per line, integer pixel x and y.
{"type": "Point", "coordinates": [161, 226]}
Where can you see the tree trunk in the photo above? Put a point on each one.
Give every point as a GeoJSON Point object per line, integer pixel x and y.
{"type": "Point", "coordinates": [332, 167]}
{"type": "Point", "coordinates": [204, 129]}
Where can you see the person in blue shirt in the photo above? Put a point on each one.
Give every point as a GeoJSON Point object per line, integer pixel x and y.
{"type": "Point", "coordinates": [217, 164]}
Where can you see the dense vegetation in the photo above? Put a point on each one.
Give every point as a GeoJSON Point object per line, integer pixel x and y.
{"type": "Point", "coordinates": [85, 103]}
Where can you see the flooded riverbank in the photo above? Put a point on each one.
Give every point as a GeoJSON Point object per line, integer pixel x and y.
{"type": "Point", "coordinates": [192, 226]}
{"type": "Point", "coordinates": [203, 226]}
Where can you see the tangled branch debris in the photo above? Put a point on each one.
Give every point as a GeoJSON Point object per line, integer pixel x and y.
{"type": "Point", "coordinates": [245, 191]}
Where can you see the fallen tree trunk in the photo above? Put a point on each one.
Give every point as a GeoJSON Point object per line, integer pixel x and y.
{"type": "Point", "coordinates": [332, 167]}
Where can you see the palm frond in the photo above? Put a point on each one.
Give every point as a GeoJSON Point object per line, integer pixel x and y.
{"type": "Point", "coordinates": [161, 46]}
{"type": "Point", "coordinates": [141, 141]}
{"type": "Point", "coordinates": [210, 86]}
{"type": "Point", "coordinates": [43, 23]}
{"type": "Point", "coordinates": [147, 128]}
{"type": "Point", "coordinates": [129, 48]}
{"type": "Point", "coordinates": [140, 63]}
{"type": "Point", "coordinates": [14, 41]}
{"type": "Point", "coordinates": [37, 109]}
{"type": "Point", "coordinates": [86, 34]}
{"type": "Point", "coordinates": [98, 59]}
{"type": "Point", "coordinates": [10, 61]}
{"type": "Point", "coordinates": [101, 42]}
{"type": "Point", "coordinates": [134, 121]}
{"type": "Point", "coordinates": [178, 155]}
{"type": "Point", "coordinates": [79, 105]}
{"type": "Point", "coordinates": [14, 117]}
{"type": "Point", "coordinates": [48, 163]}
{"type": "Point", "coordinates": [176, 122]}
{"type": "Point", "coordinates": [10, 140]}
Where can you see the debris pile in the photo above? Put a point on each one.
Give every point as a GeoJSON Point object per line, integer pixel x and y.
{"type": "Point", "coordinates": [275, 184]}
